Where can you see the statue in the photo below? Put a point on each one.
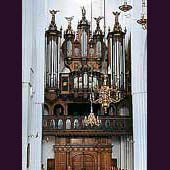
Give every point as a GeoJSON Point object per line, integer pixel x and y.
{"type": "Point", "coordinates": [53, 12]}
{"type": "Point", "coordinates": [69, 19]}
{"type": "Point", "coordinates": [83, 12]}
{"type": "Point", "coordinates": [116, 16]}
{"type": "Point", "coordinates": [98, 20]}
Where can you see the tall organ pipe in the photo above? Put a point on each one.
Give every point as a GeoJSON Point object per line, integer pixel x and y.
{"type": "Point", "coordinates": [52, 58]}
{"type": "Point", "coordinates": [45, 75]}
{"type": "Point", "coordinates": [111, 61]}
{"type": "Point", "coordinates": [116, 41]}
{"type": "Point", "coordinates": [124, 70]}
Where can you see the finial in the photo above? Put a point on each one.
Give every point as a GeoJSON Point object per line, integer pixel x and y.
{"type": "Point", "coordinates": [117, 26]}
{"type": "Point", "coordinates": [98, 20]}
{"type": "Point", "coordinates": [116, 17]}
{"type": "Point", "coordinates": [69, 19]}
{"type": "Point", "coordinates": [83, 11]}
{"type": "Point", "coordinates": [53, 12]}
{"type": "Point", "coordinates": [52, 25]}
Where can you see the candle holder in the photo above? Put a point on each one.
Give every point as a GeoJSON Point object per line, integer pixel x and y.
{"type": "Point", "coordinates": [91, 120]}
{"type": "Point", "coordinates": [143, 22]}
{"type": "Point", "coordinates": [125, 7]}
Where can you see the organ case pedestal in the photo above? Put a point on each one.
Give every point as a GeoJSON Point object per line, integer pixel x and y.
{"type": "Point", "coordinates": [83, 153]}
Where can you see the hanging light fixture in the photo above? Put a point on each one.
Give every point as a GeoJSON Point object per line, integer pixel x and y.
{"type": "Point", "coordinates": [91, 119]}
{"type": "Point", "coordinates": [106, 94]}
{"type": "Point", "coordinates": [125, 7]}
{"type": "Point", "coordinates": [143, 20]}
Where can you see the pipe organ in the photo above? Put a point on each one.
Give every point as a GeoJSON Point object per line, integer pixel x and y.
{"type": "Point", "coordinates": [84, 54]}
{"type": "Point", "coordinates": [88, 64]}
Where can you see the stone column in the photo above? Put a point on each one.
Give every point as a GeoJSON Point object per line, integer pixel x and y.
{"type": "Point", "coordinates": [25, 87]}
{"type": "Point", "coordinates": [40, 60]}
{"type": "Point", "coordinates": [26, 62]}
{"type": "Point", "coordinates": [139, 89]}
{"type": "Point", "coordinates": [33, 74]}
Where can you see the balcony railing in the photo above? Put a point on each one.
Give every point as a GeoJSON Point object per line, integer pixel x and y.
{"type": "Point", "coordinates": [76, 123]}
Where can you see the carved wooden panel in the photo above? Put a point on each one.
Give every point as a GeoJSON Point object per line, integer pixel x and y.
{"type": "Point", "coordinates": [60, 161]}
{"type": "Point", "coordinates": [83, 161]}
{"type": "Point", "coordinates": [79, 153]}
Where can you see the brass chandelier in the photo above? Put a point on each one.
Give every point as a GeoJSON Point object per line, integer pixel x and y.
{"type": "Point", "coordinates": [125, 6]}
{"type": "Point", "coordinates": [91, 119]}
{"type": "Point", "coordinates": [106, 95]}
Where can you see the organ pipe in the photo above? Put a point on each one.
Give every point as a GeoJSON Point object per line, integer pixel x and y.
{"type": "Point", "coordinates": [52, 47]}
{"type": "Point", "coordinates": [116, 42]}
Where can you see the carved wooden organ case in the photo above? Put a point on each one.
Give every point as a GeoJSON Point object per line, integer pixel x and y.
{"type": "Point", "coordinates": [72, 69]}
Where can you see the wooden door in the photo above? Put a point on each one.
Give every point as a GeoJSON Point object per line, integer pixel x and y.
{"type": "Point", "coordinates": [50, 164]}
{"type": "Point", "coordinates": [83, 162]}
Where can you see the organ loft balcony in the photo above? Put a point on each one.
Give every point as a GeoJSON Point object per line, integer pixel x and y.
{"type": "Point", "coordinates": [67, 119]}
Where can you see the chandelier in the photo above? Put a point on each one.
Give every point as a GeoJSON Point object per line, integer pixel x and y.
{"type": "Point", "coordinates": [125, 7]}
{"type": "Point", "coordinates": [91, 119]}
{"type": "Point", "coordinates": [143, 21]}
{"type": "Point", "coordinates": [106, 95]}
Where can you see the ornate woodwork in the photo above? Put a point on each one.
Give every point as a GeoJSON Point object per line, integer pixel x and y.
{"type": "Point", "coordinates": [76, 154]}
{"type": "Point", "coordinates": [73, 69]}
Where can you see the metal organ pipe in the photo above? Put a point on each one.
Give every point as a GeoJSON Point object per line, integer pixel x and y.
{"type": "Point", "coordinates": [49, 59]}
{"type": "Point", "coordinates": [58, 62]}
{"type": "Point", "coordinates": [52, 54]}
{"type": "Point", "coordinates": [52, 60]}
{"type": "Point", "coordinates": [117, 61]}
{"type": "Point", "coordinates": [55, 61]}
{"type": "Point", "coordinates": [115, 56]}
{"type": "Point", "coordinates": [124, 70]}
{"type": "Point", "coordinates": [85, 80]}
{"type": "Point", "coordinates": [45, 68]}
{"type": "Point", "coordinates": [46, 63]}
{"type": "Point", "coordinates": [121, 66]}
{"type": "Point", "coordinates": [112, 62]}
{"type": "Point", "coordinates": [120, 63]}
{"type": "Point", "coordinates": [50, 63]}
{"type": "Point", "coordinates": [84, 43]}
{"type": "Point", "coordinates": [117, 64]}
{"type": "Point", "coordinates": [116, 43]}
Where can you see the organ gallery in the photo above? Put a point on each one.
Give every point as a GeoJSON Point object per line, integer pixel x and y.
{"type": "Point", "coordinates": [87, 118]}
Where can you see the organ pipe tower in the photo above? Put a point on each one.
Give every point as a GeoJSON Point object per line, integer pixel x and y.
{"type": "Point", "coordinates": [52, 53]}
{"type": "Point", "coordinates": [116, 52]}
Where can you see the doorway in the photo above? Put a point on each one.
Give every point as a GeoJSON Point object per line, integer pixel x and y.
{"type": "Point", "coordinates": [83, 162]}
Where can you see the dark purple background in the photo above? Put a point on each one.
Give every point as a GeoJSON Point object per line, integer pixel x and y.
{"type": "Point", "coordinates": [158, 85]}
{"type": "Point", "coordinates": [10, 85]}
